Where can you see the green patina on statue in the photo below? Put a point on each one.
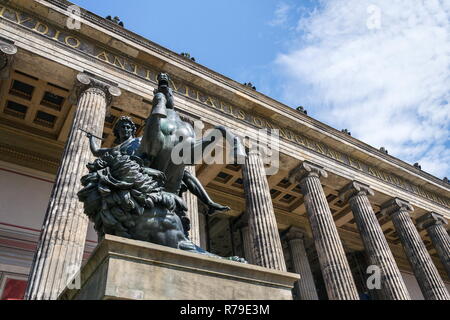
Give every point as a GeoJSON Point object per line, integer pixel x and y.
{"type": "Point", "coordinates": [134, 189]}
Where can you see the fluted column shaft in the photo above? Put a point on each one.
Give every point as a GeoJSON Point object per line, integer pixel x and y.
{"type": "Point", "coordinates": [268, 251]}
{"type": "Point", "coordinates": [435, 223]}
{"type": "Point", "coordinates": [430, 282]}
{"type": "Point", "coordinates": [60, 249]}
{"type": "Point", "coordinates": [192, 212]}
{"type": "Point", "coordinates": [306, 286]}
{"type": "Point", "coordinates": [441, 241]}
{"type": "Point", "coordinates": [377, 248]}
{"type": "Point", "coordinates": [334, 265]}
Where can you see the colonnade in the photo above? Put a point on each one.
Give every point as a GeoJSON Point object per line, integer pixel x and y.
{"type": "Point", "coordinates": [261, 235]}
{"type": "Point", "coordinates": [61, 244]}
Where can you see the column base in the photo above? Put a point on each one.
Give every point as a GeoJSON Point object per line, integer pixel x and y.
{"type": "Point", "coordinates": [121, 268]}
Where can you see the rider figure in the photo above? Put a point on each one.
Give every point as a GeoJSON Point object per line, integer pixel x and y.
{"type": "Point", "coordinates": [124, 131]}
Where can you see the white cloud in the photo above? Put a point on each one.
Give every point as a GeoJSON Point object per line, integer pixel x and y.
{"type": "Point", "coordinates": [390, 86]}
{"type": "Point", "coordinates": [280, 15]}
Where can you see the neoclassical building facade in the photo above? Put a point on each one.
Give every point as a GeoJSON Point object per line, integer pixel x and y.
{"type": "Point", "coordinates": [336, 211]}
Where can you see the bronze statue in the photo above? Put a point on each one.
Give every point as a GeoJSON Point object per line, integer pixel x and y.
{"type": "Point", "coordinates": [134, 189]}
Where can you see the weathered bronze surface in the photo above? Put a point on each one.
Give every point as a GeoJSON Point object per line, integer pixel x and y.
{"type": "Point", "coordinates": [134, 189]}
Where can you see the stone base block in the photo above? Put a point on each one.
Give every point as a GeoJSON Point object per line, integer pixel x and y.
{"type": "Point", "coordinates": [121, 268]}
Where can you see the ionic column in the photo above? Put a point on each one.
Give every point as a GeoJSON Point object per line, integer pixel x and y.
{"type": "Point", "coordinates": [377, 248]}
{"type": "Point", "coordinates": [306, 286]}
{"type": "Point", "coordinates": [7, 52]}
{"type": "Point", "coordinates": [333, 262]}
{"type": "Point", "coordinates": [427, 276]}
{"type": "Point", "coordinates": [435, 223]}
{"type": "Point", "coordinates": [192, 205]}
{"type": "Point", "coordinates": [60, 249]}
{"type": "Point", "coordinates": [267, 251]}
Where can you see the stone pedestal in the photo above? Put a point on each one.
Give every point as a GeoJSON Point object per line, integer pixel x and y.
{"type": "Point", "coordinates": [430, 282]}
{"type": "Point", "coordinates": [61, 244]}
{"type": "Point", "coordinates": [121, 268]}
{"type": "Point", "coordinates": [333, 262]}
{"type": "Point", "coordinates": [377, 248]}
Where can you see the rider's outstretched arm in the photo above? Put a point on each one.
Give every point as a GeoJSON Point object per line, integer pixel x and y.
{"type": "Point", "coordinates": [98, 152]}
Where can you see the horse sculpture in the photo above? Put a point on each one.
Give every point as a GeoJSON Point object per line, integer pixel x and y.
{"type": "Point", "coordinates": [134, 190]}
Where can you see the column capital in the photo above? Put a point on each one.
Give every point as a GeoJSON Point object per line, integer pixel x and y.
{"type": "Point", "coordinates": [7, 52]}
{"type": "Point", "coordinates": [254, 151]}
{"type": "Point", "coordinates": [395, 205]}
{"type": "Point", "coordinates": [294, 233]}
{"type": "Point", "coordinates": [256, 148]}
{"type": "Point", "coordinates": [355, 188]}
{"type": "Point", "coordinates": [86, 80]}
{"type": "Point", "coordinates": [429, 219]}
{"type": "Point", "coordinates": [306, 169]}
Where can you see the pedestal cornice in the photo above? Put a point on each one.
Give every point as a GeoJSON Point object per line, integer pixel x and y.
{"type": "Point", "coordinates": [173, 274]}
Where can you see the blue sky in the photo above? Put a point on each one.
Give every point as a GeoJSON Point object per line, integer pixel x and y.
{"type": "Point", "coordinates": [379, 68]}
{"type": "Point", "coordinates": [239, 39]}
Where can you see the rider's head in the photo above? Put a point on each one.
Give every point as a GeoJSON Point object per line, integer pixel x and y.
{"type": "Point", "coordinates": [124, 129]}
